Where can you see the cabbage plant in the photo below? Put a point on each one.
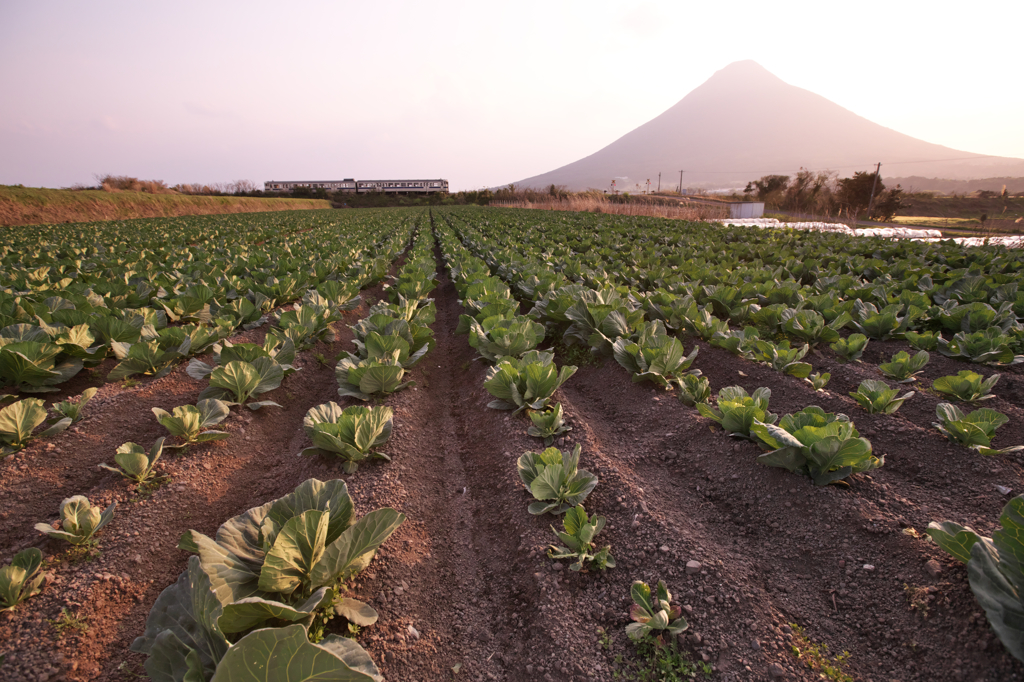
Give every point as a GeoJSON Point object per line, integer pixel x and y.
{"type": "Point", "coordinates": [526, 383]}
{"type": "Point", "coordinates": [877, 398]}
{"type": "Point", "coordinates": [993, 569]}
{"type": "Point", "coordinates": [267, 576]}
{"type": "Point", "coordinates": [973, 317]}
{"type": "Point", "coordinates": [769, 317]}
{"type": "Point", "coordinates": [547, 424]}
{"type": "Point", "coordinates": [72, 409]}
{"type": "Point", "coordinates": [974, 430]}
{"type": "Point", "coordinates": [555, 480]}
{"type": "Point", "coordinates": [34, 366]}
{"type": "Point", "coordinates": [377, 347]}
{"type": "Point", "coordinates": [740, 343]}
{"type": "Point", "coordinates": [989, 346]}
{"type": "Point", "coordinates": [782, 358]}
{"type": "Point", "coordinates": [154, 358]}
{"type": "Point", "coordinates": [280, 351]}
{"type": "Point", "coordinates": [693, 389]}
{"type": "Point", "coordinates": [305, 325]}
{"type": "Point", "coordinates": [824, 446]}
{"type": "Point", "coordinates": [818, 380]}
{"type": "Point", "coordinates": [134, 463]}
{"type": "Point", "coordinates": [599, 320]}
{"type": "Point", "coordinates": [653, 612]}
{"type": "Point", "coordinates": [366, 378]}
{"type": "Point", "coordinates": [18, 421]}
{"type": "Point", "coordinates": [880, 324]}
{"type": "Point", "coordinates": [923, 340]}
{"type": "Point", "coordinates": [737, 410]}
{"type": "Point", "coordinates": [967, 386]}
{"type": "Point", "coordinates": [498, 337]}
{"type": "Point", "coordinates": [352, 434]}
{"type": "Point", "coordinates": [578, 535]}
{"type": "Point", "coordinates": [810, 326]}
{"type": "Point", "coordinates": [851, 348]}
{"type": "Point", "coordinates": [659, 358]}
{"type": "Point", "coordinates": [189, 421]}
{"type": "Point", "coordinates": [21, 578]}
{"type": "Point", "coordinates": [156, 354]}
{"type": "Point", "coordinates": [418, 339]}
{"type": "Point", "coordinates": [79, 521]}
{"type": "Point", "coordinates": [700, 322]}
{"type": "Point", "coordinates": [238, 381]}
{"type": "Point", "coordinates": [904, 368]}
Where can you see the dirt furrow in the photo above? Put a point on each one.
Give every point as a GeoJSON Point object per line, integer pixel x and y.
{"type": "Point", "coordinates": [836, 562]}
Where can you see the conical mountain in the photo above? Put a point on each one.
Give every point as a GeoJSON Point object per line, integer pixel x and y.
{"type": "Point", "coordinates": [743, 123]}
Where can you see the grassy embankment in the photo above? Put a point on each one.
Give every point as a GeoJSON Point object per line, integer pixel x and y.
{"type": "Point", "coordinates": [31, 205]}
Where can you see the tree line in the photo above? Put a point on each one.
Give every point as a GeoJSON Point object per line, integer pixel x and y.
{"type": "Point", "coordinates": [822, 193]}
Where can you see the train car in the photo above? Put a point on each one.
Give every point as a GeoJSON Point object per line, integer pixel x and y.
{"type": "Point", "coordinates": [402, 186]}
{"type": "Point", "coordinates": [431, 186]}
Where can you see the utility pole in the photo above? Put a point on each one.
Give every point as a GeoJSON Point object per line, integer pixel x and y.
{"type": "Point", "coordinates": [874, 183]}
{"type": "Point", "coordinates": [680, 183]}
{"type": "Point", "coordinates": [659, 183]}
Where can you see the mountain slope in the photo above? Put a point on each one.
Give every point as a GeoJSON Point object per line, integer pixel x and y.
{"type": "Point", "coordinates": [744, 122]}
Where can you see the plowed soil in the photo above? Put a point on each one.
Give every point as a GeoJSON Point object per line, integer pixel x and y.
{"type": "Point", "coordinates": [464, 588]}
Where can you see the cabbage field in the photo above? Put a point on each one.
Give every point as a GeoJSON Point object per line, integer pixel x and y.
{"type": "Point", "coordinates": [498, 444]}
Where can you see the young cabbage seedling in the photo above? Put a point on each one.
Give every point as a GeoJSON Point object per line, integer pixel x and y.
{"type": "Point", "coordinates": [818, 380]}
{"type": "Point", "coordinates": [578, 536]}
{"type": "Point", "coordinates": [737, 411]}
{"type": "Point", "coordinates": [552, 477]}
{"type": "Point", "coordinates": [904, 368]}
{"type": "Point", "coordinates": [134, 463]}
{"type": "Point", "coordinates": [21, 579]}
{"type": "Point", "coordinates": [974, 430]}
{"type": "Point", "coordinates": [79, 521]}
{"type": "Point", "coordinates": [923, 340]}
{"type": "Point", "coordinates": [967, 386]}
{"type": "Point", "coordinates": [18, 421]}
{"type": "Point", "coordinates": [188, 421]}
{"type": "Point", "coordinates": [877, 398]}
{"type": "Point", "coordinates": [693, 389]}
{"type": "Point", "coordinates": [243, 380]}
{"type": "Point", "coordinates": [822, 445]}
{"type": "Point", "coordinates": [654, 613]}
{"type": "Point", "coordinates": [73, 409]}
{"type": "Point", "coordinates": [851, 348]}
{"type": "Point", "coordinates": [548, 424]}
{"type": "Point", "coordinates": [527, 382]}
{"type": "Point", "coordinates": [352, 433]}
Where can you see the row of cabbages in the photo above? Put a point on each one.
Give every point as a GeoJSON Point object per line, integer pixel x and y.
{"type": "Point", "coordinates": [274, 577]}
{"type": "Point", "coordinates": [520, 377]}
{"type": "Point", "coordinates": [794, 288]}
{"type": "Point", "coordinates": [524, 378]}
{"type": "Point", "coordinates": [982, 309]}
{"type": "Point", "coordinates": [284, 562]}
{"type": "Point", "coordinates": [62, 312]}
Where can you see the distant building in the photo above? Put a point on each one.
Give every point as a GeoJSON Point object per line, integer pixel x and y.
{"type": "Point", "coordinates": [363, 186]}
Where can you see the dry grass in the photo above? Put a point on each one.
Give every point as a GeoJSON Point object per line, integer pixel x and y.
{"type": "Point", "coordinates": [33, 206]}
{"type": "Point", "coordinates": [126, 183]}
{"type": "Point", "coordinates": [599, 204]}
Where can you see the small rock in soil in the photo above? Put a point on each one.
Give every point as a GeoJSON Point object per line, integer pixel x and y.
{"type": "Point", "coordinates": [933, 567]}
{"type": "Point", "coordinates": [693, 567]}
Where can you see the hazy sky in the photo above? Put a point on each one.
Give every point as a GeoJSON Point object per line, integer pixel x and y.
{"type": "Point", "coordinates": [480, 93]}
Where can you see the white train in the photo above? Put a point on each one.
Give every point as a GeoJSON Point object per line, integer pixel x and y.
{"type": "Point", "coordinates": [363, 186]}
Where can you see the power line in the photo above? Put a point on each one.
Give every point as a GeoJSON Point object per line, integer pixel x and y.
{"type": "Point", "coordinates": [858, 165]}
